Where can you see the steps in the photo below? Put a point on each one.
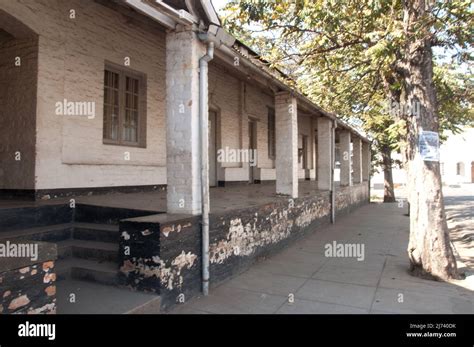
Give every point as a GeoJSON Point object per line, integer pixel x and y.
{"type": "Point", "coordinates": [87, 241]}
{"type": "Point", "coordinates": [86, 251]}
{"type": "Point", "coordinates": [51, 233]}
{"type": "Point", "coordinates": [91, 254]}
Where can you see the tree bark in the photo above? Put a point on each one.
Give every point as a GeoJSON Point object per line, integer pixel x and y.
{"type": "Point", "coordinates": [429, 248]}
{"type": "Point", "coordinates": [388, 189]}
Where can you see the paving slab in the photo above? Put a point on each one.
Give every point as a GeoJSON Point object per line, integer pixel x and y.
{"type": "Point", "coordinates": [412, 302]}
{"type": "Point", "coordinates": [228, 300]}
{"type": "Point", "coordinates": [314, 307]}
{"type": "Point", "coordinates": [337, 293]}
{"type": "Point", "coordinates": [344, 274]}
{"type": "Point", "coordinates": [266, 283]}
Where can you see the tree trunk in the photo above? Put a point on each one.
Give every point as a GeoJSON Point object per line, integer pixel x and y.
{"type": "Point", "coordinates": [388, 189]}
{"type": "Point", "coordinates": [429, 247]}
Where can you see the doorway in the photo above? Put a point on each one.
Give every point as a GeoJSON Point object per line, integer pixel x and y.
{"type": "Point", "coordinates": [252, 149]}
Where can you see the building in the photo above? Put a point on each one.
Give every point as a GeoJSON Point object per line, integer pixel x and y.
{"type": "Point", "coordinates": [457, 159]}
{"type": "Point", "coordinates": [103, 97]}
{"type": "Point", "coordinates": [456, 162]}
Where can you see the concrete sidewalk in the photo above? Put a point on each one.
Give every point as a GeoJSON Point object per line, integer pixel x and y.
{"type": "Point", "coordinates": [302, 280]}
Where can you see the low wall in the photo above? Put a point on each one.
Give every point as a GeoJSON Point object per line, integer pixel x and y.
{"type": "Point", "coordinates": [350, 198]}
{"type": "Point", "coordinates": [28, 286]}
{"type": "Point", "coordinates": [164, 251]}
{"type": "Point", "coordinates": [161, 254]}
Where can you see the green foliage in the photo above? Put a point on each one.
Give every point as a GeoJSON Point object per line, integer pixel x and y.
{"type": "Point", "coordinates": [344, 55]}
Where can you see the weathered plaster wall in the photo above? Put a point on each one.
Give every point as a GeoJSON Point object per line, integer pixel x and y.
{"type": "Point", "coordinates": [349, 198]}
{"type": "Point", "coordinates": [165, 249]}
{"type": "Point", "coordinates": [239, 237]}
{"type": "Point", "coordinates": [72, 54]}
{"type": "Point", "coordinates": [164, 256]}
{"type": "Point", "coordinates": [17, 111]}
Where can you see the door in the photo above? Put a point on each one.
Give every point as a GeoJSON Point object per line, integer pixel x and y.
{"type": "Point", "coordinates": [252, 148]}
{"type": "Point", "coordinates": [305, 152]}
{"type": "Point", "coordinates": [212, 149]}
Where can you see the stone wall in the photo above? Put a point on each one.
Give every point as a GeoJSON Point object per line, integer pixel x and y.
{"type": "Point", "coordinates": [349, 198]}
{"type": "Point", "coordinates": [28, 286]}
{"type": "Point", "coordinates": [238, 238]}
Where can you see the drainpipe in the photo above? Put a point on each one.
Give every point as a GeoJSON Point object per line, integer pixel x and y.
{"type": "Point", "coordinates": [333, 163]}
{"type": "Point", "coordinates": [204, 129]}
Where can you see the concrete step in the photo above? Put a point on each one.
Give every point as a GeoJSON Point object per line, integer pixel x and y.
{"type": "Point", "coordinates": [50, 233]}
{"type": "Point", "coordinates": [18, 218]}
{"type": "Point", "coordinates": [85, 213]}
{"type": "Point", "coordinates": [96, 232]}
{"type": "Point", "coordinates": [91, 250]}
{"type": "Point", "coordinates": [87, 270]}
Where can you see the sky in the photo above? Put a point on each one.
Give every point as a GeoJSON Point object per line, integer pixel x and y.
{"type": "Point", "coordinates": [219, 4]}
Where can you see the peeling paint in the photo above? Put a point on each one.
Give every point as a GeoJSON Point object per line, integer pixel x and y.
{"type": "Point", "coordinates": [245, 237]}
{"type": "Point", "coordinates": [171, 228]}
{"type": "Point", "coordinates": [146, 232]}
{"type": "Point", "coordinates": [171, 276]}
{"type": "Point", "coordinates": [125, 235]}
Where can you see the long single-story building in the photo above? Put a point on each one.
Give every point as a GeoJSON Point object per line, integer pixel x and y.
{"type": "Point", "coordinates": [103, 108]}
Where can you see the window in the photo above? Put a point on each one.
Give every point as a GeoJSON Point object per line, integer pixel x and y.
{"type": "Point", "coordinates": [124, 107]}
{"type": "Point", "coordinates": [271, 134]}
{"type": "Point", "coordinates": [460, 169]}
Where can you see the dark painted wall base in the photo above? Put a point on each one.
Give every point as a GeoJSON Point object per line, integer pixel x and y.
{"type": "Point", "coordinates": [26, 286]}
{"type": "Point", "coordinates": [162, 254]}
{"type": "Point", "coordinates": [164, 251]}
{"type": "Point", "coordinates": [39, 194]}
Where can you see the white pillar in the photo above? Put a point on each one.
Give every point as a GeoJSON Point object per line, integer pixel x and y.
{"type": "Point", "coordinates": [183, 50]}
{"type": "Point", "coordinates": [357, 159]}
{"type": "Point", "coordinates": [365, 161]}
{"type": "Point", "coordinates": [286, 163]}
{"type": "Point", "coordinates": [345, 157]}
{"type": "Point", "coordinates": [325, 143]}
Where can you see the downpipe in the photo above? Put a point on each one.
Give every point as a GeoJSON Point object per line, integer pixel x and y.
{"type": "Point", "coordinates": [204, 137]}
{"type": "Point", "coordinates": [333, 164]}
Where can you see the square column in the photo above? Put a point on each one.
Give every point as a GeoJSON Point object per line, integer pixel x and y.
{"type": "Point", "coordinates": [325, 144]}
{"type": "Point", "coordinates": [357, 159]}
{"type": "Point", "coordinates": [366, 161]}
{"type": "Point", "coordinates": [345, 157]}
{"type": "Point", "coordinates": [286, 163]}
{"type": "Point", "coordinates": [183, 50]}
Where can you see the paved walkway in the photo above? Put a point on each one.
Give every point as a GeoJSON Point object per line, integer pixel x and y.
{"type": "Point", "coordinates": [302, 280]}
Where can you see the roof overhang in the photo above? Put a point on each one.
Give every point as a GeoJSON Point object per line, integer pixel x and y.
{"type": "Point", "coordinates": [162, 13]}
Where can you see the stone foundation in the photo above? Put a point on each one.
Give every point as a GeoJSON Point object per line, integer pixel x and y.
{"type": "Point", "coordinates": [28, 287]}
{"type": "Point", "coordinates": [165, 250]}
